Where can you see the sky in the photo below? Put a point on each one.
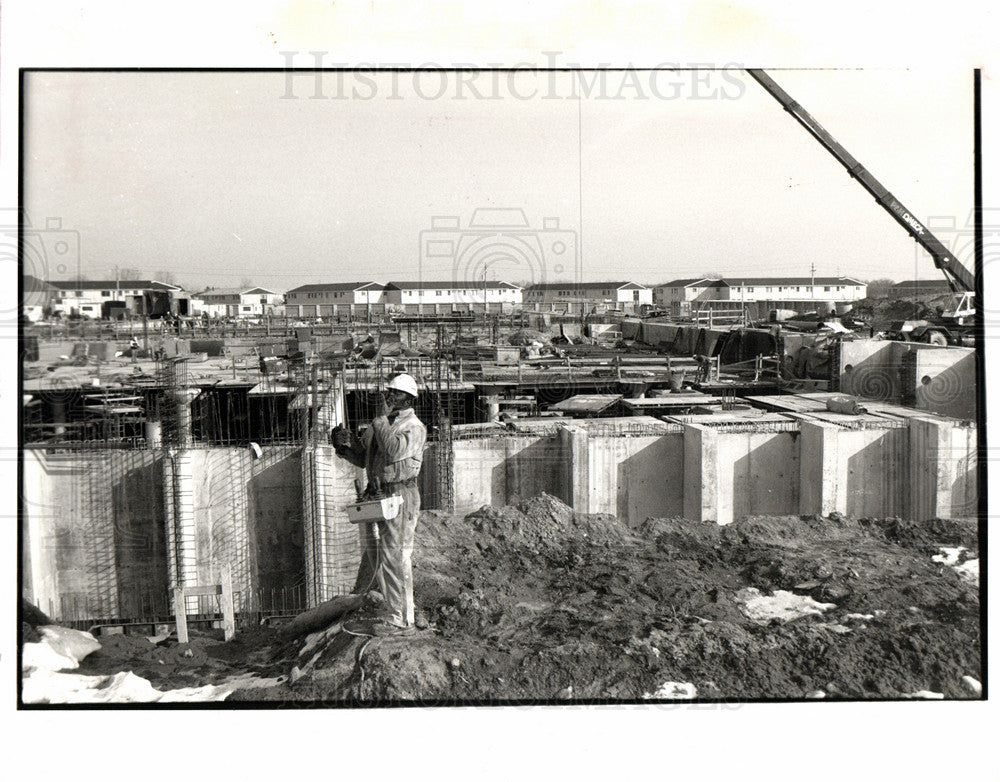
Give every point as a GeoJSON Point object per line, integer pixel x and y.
{"type": "Point", "coordinates": [281, 179]}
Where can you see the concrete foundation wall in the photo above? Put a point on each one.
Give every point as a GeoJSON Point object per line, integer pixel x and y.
{"type": "Point", "coordinates": [937, 379]}
{"type": "Point", "coordinates": [96, 543]}
{"type": "Point", "coordinates": [636, 477]}
{"type": "Point", "coordinates": [944, 381]}
{"type": "Point", "coordinates": [757, 474]}
{"type": "Point", "coordinates": [98, 532]}
{"type": "Point", "coordinates": [93, 531]}
{"type": "Point", "coordinates": [942, 470]}
{"type": "Point", "coordinates": [507, 470]}
{"type": "Point", "coordinates": [331, 543]}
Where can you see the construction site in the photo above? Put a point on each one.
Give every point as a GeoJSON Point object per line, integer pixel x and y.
{"type": "Point", "coordinates": [614, 508]}
{"type": "Point", "coordinates": [628, 494]}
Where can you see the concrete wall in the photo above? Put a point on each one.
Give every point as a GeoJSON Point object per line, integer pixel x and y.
{"type": "Point", "coordinates": [506, 470]}
{"type": "Point", "coordinates": [937, 379]}
{"type": "Point", "coordinates": [636, 477]}
{"type": "Point", "coordinates": [871, 369]}
{"type": "Point", "coordinates": [97, 525]}
{"type": "Point", "coordinates": [732, 474]}
{"type": "Point", "coordinates": [944, 381]}
{"type": "Point", "coordinates": [942, 470]}
{"type": "Point", "coordinates": [331, 543]}
{"type": "Point", "coordinates": [857, 472]}
{"type": "Point", "coordinates": [93, 531]}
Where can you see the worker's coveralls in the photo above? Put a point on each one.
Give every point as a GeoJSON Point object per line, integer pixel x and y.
{"type": "Point", "coordinates": [392, 450]}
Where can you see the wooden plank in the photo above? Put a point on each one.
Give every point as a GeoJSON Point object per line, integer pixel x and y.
{"type": "Point", "coordinates": [228, 609]}
{"type": "Point", "coordinates": [180, 615]}
{"type": "Point", "coordinates": [203, 591]}
{"type": "Point", "coordinates": [795, 403]}
{"type": "Point", "coordinates": [587, 403]}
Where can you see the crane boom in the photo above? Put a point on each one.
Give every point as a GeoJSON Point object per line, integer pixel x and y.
{"type": "Point", "coordinates": [959, 278]}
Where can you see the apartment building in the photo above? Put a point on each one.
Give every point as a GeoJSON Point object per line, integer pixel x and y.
{"type": "Point", "coordinates": [236, 302]}
{"type": "Point", "coordinates": [585, 296]}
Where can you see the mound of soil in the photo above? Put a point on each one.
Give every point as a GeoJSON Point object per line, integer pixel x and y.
{"type": "Point", "coordinates": [538, 602]}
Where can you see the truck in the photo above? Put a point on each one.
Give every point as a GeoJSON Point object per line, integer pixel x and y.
{"type": "Point", "coordinates": [954, 324]}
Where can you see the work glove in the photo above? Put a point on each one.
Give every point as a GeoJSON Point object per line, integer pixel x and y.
{"type": "Point", "coordinates": [340, 437]}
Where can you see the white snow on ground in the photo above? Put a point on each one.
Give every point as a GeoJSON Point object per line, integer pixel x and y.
{"type": "Point", "coordinates": [59, 649]}
{"type": "Point", "coordinates": [782, 605]}
{"type": "Point", "coordinates": [673, 691]}
{"type": "Point", "coordinates": [925, 695]}
{"type": "Point", "coordinates": [44, 686]}
{"type": "Point", "coordinates": [973, 684]}
{"type": "Point", "coordinates": [969, 571]}
{"type": "Point", "coordinates": [950, 557]}
{"type": "Point", "coordinates": [62, 648]}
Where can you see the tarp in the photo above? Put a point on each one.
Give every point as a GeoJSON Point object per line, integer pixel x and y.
{"type": "Point", "coordinates": [658, 333]}
{"type": "Point", "coordinates": [709, 342]}
{"type": "Point", "coordinates": [214, 347]}
{"type": "Point", "coordinates": [684, 341]}
{"type": "Point", "coordinates": [746, 345]}
{"type": "Point", "coordinates": [630, 329]}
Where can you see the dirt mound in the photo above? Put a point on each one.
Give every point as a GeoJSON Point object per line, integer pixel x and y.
{"type": "Point", "coordinates": [166, 663]}
{"type": "Point", "coordinates": [536, 602]}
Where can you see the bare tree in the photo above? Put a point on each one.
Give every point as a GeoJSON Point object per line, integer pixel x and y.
{"type": "Point", "coordinates": [165, 277]}
{"type": "Point", "coordinates": [880, 288]}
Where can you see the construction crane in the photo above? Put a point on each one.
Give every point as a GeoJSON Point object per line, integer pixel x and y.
{"type": "Point", "coordinates": [960, 279]}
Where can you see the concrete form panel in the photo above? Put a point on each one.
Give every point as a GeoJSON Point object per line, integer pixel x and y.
{"type": "Point", "coordinates": [944, 381]}
{"type": "Point", "coordinates": [871, 369]}
{"type": "Point", "coordinates": [758, 474]}
{"type": "Point", "coordinates": [637, 477]}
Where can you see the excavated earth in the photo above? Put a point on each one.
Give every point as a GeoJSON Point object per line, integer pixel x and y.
{"type": "Point", "coordinates": [536, 602]}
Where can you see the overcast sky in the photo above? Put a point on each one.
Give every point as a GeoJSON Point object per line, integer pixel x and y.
{"type": "Point", "coordinates": [220, 178]}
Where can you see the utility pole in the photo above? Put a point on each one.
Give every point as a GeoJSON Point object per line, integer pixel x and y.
{"type": "Point", "coordinates": [812, 280]}
{"type": "Point", "coordinates": [485, 305]}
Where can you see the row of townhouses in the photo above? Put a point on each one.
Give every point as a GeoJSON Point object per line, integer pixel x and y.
{"type": "Point", "coordinates": [110, 298]}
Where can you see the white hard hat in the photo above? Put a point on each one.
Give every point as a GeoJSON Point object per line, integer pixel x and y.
{"type": "Point", "coordinates": [404, 383]}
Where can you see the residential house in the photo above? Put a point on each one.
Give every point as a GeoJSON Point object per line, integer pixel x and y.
{"type": "Point", "coordinates": [101, 298]}
{"type": "Point", "coordinates": [795, 289]}
{"type": "Point", "coordinates": [237, 302]}
{"type": "Point", "coordinates": [327, 299]}
{"type": "Point", "coordinates": [585, 296]}
{"type": "Point", "coordinates": [453, 296]}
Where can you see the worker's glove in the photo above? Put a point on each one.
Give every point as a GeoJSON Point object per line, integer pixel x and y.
{"type": "Point", "coordinates": [340, 437]}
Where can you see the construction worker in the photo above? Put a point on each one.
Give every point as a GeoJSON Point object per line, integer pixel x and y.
{"type": "Point", "coordinates": [391, 451]}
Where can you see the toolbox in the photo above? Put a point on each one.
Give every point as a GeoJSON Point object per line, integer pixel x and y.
{"type": "Point", "coordinates": [374, 510]}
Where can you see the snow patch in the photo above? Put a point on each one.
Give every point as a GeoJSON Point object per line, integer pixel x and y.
{"type": "Point", "coordinates": [782, 605]}
{"type": "Point", "coordinates": [44, 686]}
{"type": "Point", "coordinates": [969, 571]}
{"type": "Point", "coordinates": [951, 556]}
{"type": "Point", "coordinates": [973, 684]}
{"type": "Point", "coordinates": [925, 695]}
{"type": "Point", "coordinates": [673, 691]}
{"type": "Point", "coordinates": [61, 648]}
